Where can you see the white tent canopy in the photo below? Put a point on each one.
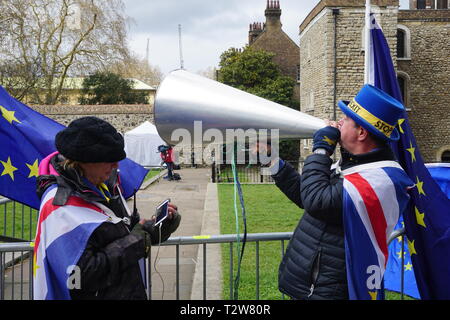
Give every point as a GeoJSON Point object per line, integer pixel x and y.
{"type": "Point", "coordinates": [141, 145]}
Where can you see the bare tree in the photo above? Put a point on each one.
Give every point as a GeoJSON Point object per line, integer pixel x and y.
{"type": "Point", "coordinates": [135, 67]}
{"type": "Point", "coordinates": [209, 72]}
{"type": "Point", "coordinates": [49, 40]}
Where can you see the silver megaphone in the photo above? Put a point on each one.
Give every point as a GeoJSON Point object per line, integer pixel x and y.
{"type": "Point", "coordinates": [184, 99]}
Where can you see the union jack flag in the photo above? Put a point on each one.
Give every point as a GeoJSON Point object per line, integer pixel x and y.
{"type": "Point", "coordinates": [375, 195]}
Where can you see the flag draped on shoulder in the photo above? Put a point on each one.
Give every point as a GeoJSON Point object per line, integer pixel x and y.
{"type": "Point", "coordinates": [427, 218]}
{"type": "Point", "coordinates": [374, 197]}
{"type": "Point", "coordinates": [26, 137]}
{"type": "Point", "coordinates": [61, 237]}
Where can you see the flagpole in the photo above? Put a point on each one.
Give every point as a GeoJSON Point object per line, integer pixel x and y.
{"type": "Point", "coordinates": [367, 44]}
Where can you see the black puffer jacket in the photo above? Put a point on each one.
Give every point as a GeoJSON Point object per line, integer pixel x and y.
{"type": "Point", "coordinates": [314, 264]}
{"type": "Point", "coordinates": [109, 264]}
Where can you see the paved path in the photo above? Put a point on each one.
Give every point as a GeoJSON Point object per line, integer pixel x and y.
{"type": "Point", "coordinates": [189, 195]}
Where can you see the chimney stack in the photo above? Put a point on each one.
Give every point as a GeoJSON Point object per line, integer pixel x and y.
{"type": "Point", "coordinates": [254, 31]}
{"type": "Point", "coordinates": [273, 13]}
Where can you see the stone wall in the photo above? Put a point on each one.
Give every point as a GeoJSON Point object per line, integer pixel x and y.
{"type": "Point", "coordinates": [426, 70]}
{"type": "Point", "coordinates": [428, 84]}
{"type": "Point", "coordinates": [350, 46]}
{"type": "Point", "coordinates": [318, 58]}
{"type": "Point", "coordinates": [316, 71]}
{"type": "Point", "coordinates": [316, 63]}
{"type": "Point", "coordinates": [122, 117]}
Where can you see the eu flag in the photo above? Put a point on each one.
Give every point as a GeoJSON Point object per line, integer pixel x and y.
{"type": "Point", "coordinates": [26, 137]}
{"type": "Point", "coordinates": [427, 220]}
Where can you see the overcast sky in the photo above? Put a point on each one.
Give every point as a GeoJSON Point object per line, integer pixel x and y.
{"type": "Point", "coordinates": [209, 27]}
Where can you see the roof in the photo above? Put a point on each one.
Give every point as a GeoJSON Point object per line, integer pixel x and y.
{"type": "Point", "coordinates": [342, 3]}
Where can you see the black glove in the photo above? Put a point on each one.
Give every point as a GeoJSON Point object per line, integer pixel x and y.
{"type": "Point", "coordinates": [326, 138]}
{"type": "Point", "coordinates": [168, 226]}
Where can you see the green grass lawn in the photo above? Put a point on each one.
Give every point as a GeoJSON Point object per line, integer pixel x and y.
{"type": "Point", "coordinates": [268, 210]}
{"type": "Point", "coordinates": [151, 173]}
{"type": "Point", "coordinates": [18, 221]}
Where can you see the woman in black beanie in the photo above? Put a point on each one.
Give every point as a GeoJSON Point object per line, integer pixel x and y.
{"type": "Point", "coordinates": [89, 245]}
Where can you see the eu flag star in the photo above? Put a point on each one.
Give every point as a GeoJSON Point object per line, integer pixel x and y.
{"type": "Point", "coordinates": [412, 249]}
{"type": "Point", "coordinates": [373, 295]}
{"type": "Point", "coordinates": [420, 217]}
{"type": "Point", "coordinates": [8, 115]}
{"type": "Point", "coordinates": [8, 168]}
{"type": "Point", "coordinates": [419, 186]}
{"type": "Point", "coordinates": [35, 267]}
{"type": "Point", "coordinates": [400, 122]}
{"type": "Point", "coordinates": [34, 169]}
{"type": "Point", "coordinates": [399, 254]}
{"type": "Point", "coordinates": [412, 151]}
{"type": "Point", "coordinates": [408, 266]}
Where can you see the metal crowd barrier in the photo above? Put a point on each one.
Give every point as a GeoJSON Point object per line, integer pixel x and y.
{"type": "Point", "coordinates": [21, 266]}
{"type": "Point", "coordinates": [17, 221]}
{"type": "Point", "coordinates": [15, 262]}
{"type": "Point", "coordinates": [230, 239]}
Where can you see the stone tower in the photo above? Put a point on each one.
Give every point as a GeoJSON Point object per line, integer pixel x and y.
{"type": "Point", "coordinates": [332, 64]}
{"type": "Point", "coordinates": [270, 37]}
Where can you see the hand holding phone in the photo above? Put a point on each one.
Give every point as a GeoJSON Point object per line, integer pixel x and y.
{"type": "Point", "coordinates": [162, 212]}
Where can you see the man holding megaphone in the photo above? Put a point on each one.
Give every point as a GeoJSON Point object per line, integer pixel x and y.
{"type": "Point", "coordinates": [314, 266]}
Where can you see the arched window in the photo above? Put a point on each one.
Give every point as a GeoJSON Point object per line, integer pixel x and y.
{"type": "Point", "coordinates": [400, 43]}
{"type": "Point", "coordinates": [445, 157]}
{"type": "Point", "coordinates": [402, 85]}
{"type": "Point", "coordinates": [421, 4]}
{"type": "Point", "coordinates": [442, 4]}
{"type": "Point", "coordinates": [403, 42]}
{"type": "Point", "coordinates": [403, 82]}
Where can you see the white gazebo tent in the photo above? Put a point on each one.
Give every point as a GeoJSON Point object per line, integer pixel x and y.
{"type": "Point", "coordinates": [141, 145]}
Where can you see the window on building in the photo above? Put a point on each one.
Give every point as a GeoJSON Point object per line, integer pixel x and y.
{"type": "Point", "coordinates": [421, 4]}
{"type": "Point", "coordinates": [442, 4]}
{"type": "Point", "coordinates": [445, 156]}
{"type": "Point", "coordinates": [298, 72]}
{"type": "Point", "coordinates": [402, 84]}
{"type": "Point", "coordinates": [403, 42]}
{"type": "Point", "coordinates": [400, 43]}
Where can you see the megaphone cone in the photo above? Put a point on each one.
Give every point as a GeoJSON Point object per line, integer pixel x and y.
{"type": "Point", "coordinates": [184, 98]}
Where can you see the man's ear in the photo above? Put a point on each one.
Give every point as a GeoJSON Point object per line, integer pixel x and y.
{"type": "Point", "coordinates": [363, 134]}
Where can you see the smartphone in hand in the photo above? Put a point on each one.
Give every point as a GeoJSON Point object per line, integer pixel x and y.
{"type": "Point", "coordinates": [162, 212]}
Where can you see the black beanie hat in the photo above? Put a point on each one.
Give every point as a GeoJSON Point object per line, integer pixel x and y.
{"type": "Point", "coordinates": [90, 139]}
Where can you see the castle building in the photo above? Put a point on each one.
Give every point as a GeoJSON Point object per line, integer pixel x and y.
{"type": "Point", "coordinates": [270, 37]}
{"type": "Point", "coordinates": [332, 63]}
